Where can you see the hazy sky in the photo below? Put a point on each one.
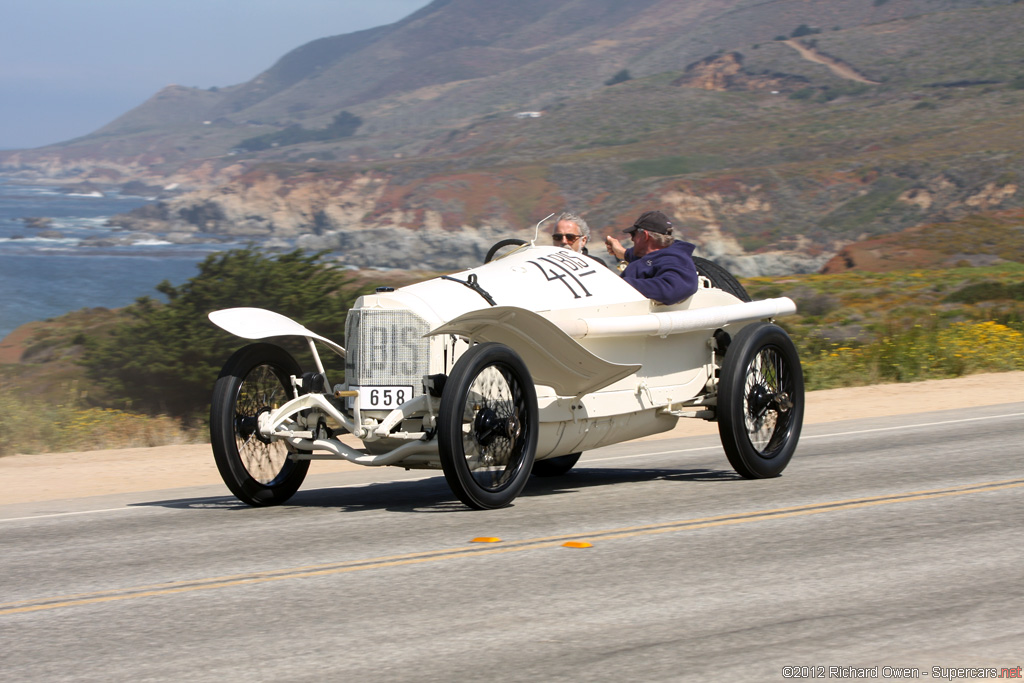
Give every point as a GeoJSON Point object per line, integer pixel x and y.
{"type": "Point", "coordinates": [68, 67]}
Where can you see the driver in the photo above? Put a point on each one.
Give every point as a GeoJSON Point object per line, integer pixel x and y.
{"type": "Point", "coordinates": [659, 267]}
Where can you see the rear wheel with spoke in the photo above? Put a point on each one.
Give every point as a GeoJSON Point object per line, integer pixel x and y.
{"type": "Point", "coordinates": [760, 401]}
{"type": "Point", "coordinates": [254, 381]}
{"type": "Point", "coordinates": [487, 427]}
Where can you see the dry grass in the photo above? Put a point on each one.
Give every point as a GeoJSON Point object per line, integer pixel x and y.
{"type": "Point", "coordinates": [34, 426]}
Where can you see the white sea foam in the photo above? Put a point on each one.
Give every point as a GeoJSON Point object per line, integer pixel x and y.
{"type": "Point", "coordinates": [39, 241]}
{"type": "Point", "coordinates": [79, 223]}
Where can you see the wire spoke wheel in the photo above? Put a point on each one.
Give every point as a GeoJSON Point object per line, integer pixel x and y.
{"type": "Point", "coordinates": [259, 392]}
{"type": "Point", "coordinates": [491, 426]}
{"type": "Point", "coordinates": [767, 406]}
{"type": "Point", "coordinates": [760, 401]}
{"type": "Point", "coordinates": [258, 470]}
{"type": "Point", "coordinates": [488, 426]}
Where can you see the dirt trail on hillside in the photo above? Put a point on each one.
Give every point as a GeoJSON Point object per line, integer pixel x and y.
{"type": "Point", "coordinates": [839, 68]}
{"type": "Point", "coordinates": [36, 478]}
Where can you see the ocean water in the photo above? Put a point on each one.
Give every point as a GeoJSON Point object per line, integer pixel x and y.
{"type": "Point", "coordinates": [60, 268]}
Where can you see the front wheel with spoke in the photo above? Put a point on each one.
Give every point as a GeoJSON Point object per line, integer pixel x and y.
{"type": "Point", "coordinates": [255, 380]}
{"type": "Point", "coordinates": [487, 427]}
{"type": "Point", "coordinates": [760, 401]}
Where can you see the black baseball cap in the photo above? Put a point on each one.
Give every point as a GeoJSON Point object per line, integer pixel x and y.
{"type": "Point", "coordinates": [652, 221]}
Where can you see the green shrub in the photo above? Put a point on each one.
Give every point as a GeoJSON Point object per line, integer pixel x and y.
{"type": "Point", "coordinates": [620, 77]}
{"type": "Point", "coordinates": [804, 30]}
{"type": "Point", "coordinates": [344, 125]}
{"type": "Point", "coordinates": [817, 303]}
{"type": "Point", "coordinates": [865, 209]}
{"type": "Point", "coordinates": [830, 93]}
{"type": "Point", "coordinates": [674, 165]}
{"type": "Point", "coordinates": [166, 359]}
{"type": "Point", "coordinates": [987, 291]}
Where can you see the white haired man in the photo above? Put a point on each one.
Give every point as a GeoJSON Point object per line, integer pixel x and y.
{"type": "Point", "coordinates": [571, 232]}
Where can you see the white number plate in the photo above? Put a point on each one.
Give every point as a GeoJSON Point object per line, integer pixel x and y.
{"type": "Point", "coordinates": [383, 398]}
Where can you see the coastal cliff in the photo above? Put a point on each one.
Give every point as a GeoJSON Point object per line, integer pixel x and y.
{"type": "Point", "coordinates": [446, 222]}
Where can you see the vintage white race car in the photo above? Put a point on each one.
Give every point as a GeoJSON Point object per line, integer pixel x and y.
{"type": "Point", "coordinates": [512, 367]}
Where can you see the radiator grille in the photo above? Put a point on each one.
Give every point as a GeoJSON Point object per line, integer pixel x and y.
{"type": "Point", "coordinates": [386, 347]}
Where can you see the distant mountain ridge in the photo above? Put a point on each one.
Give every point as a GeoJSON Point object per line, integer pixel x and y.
{"type": "Point", "coordinates": [539, 50]}
{"type": "Point", "coordinates": [773, 159]}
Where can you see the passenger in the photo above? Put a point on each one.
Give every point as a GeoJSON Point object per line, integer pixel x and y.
{"type": "Point", "coordinates": [572, 232]}
{"type": "Point", "coordinates": [658, 266]}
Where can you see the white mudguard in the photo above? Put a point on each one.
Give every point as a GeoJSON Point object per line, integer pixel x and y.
{"type": "Point", "coordinates": [259, 323]}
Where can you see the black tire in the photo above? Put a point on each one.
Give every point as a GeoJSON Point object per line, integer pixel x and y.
{"type": "Point", "coordinates": [498, 246]}
{"type": "Point", "coordinates": [720, 278]}
{"type": "Point", "coordinates": [255, 379]}
{"type": "Point", "coordinates": [760, 401]}
{"type": "Point", "coordinates": [557, 466]}
{"type": "Point", "coordinates": [487, 427]}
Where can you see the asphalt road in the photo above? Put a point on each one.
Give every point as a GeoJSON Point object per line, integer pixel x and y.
{"type": "Point", "coordinates": [891, 542]}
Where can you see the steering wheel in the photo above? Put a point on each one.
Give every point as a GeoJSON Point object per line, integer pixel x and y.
{"type": "Point", "coordinates": [498, 246]}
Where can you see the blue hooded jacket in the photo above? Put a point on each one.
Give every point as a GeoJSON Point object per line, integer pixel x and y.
{"type": "Point", "coordinates": [667, 275]}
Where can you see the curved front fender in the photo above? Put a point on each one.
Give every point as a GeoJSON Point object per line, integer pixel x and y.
{"type": "Point", "coordinates": [259, 323]}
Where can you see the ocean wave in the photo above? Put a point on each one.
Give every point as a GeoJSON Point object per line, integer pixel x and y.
{"type": "Point", "coordinates": [38, 191]}
{"type": "Point", "coordinates": [34, 191]}
{"type": "Point", "coordinates": [82, 223]}
{"type": "Point", "coordinates": [151, 243]}
{"type": "Point", "coordinates": [44, 241]}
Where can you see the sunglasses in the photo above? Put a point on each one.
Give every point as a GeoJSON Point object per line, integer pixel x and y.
{"type": "Point", "coordinates": [558, 237]}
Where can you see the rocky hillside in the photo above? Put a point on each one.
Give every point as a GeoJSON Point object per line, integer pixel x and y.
{"type": "Point", "coordinates": [777, 132]}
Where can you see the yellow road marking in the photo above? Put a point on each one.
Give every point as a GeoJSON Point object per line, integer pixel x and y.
{"type": "Point", "coordinates": [252, 578]}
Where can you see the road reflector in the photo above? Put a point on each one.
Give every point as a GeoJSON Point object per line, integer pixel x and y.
{"type": "Point", "coordinates": [486, 539]}
{"type": "Point", "coordinates": [577, 544]}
